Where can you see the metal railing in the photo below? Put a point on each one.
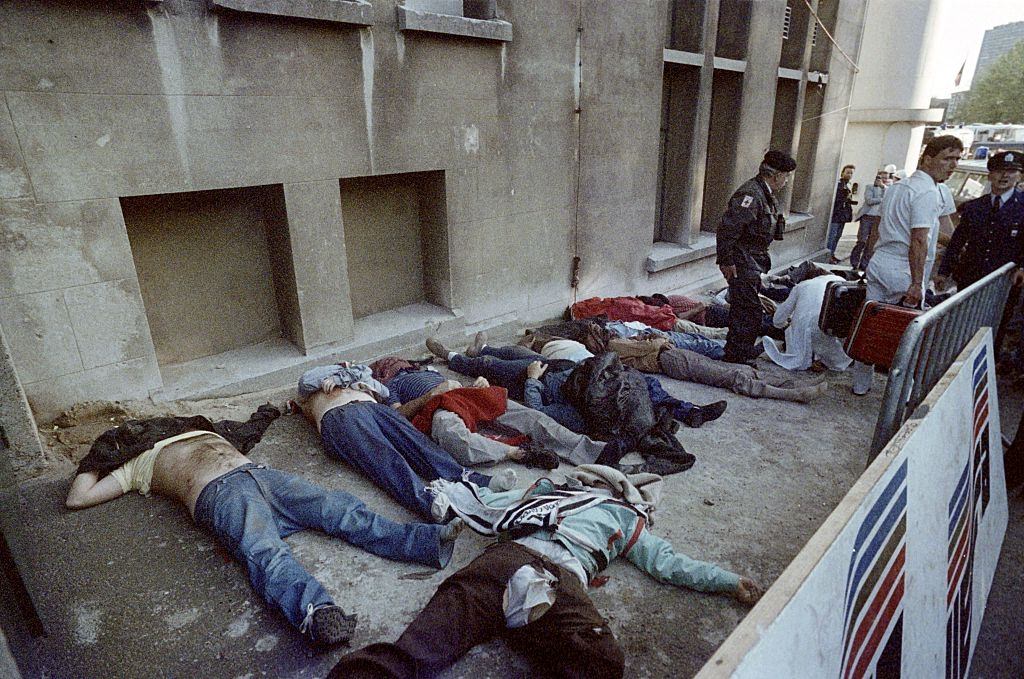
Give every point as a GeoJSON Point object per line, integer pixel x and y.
{"type": "Point", "coordinates": [930, 344]}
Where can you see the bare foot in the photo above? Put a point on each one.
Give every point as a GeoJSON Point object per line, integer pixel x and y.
{"type": "Point", "coordinates": [480, 382]}
{"type": "Point", "coordinates": [748, 592]}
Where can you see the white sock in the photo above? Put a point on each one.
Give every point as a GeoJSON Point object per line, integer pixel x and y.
{"type": "Point", "coordinates": [451, 354]}
{"type": "Point", "coordinates": [504, 479]}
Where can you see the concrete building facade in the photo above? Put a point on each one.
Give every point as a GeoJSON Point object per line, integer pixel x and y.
{"type": "Point", "coordinates": [203, 196]}
{"type": "Point", "coordinates": [891, 102]}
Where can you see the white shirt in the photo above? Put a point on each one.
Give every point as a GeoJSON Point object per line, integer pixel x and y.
{"type": "Point", "coordinates": [566, 350]}
{"type": "Point", "coordinates": [914, 203]}
{"type": "Point", "coordinates": [804, 339]}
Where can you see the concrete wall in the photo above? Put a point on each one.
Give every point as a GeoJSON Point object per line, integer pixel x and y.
{"type": "Point", "coordinates": [891, 106]}
{"type": "Point", "coordinates": [504, 159]}
{"type": "Point", "coordinates": [204, 268]}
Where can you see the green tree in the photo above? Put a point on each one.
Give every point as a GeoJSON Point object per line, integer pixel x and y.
{"type": "Point", "coordinates": [999, 97]}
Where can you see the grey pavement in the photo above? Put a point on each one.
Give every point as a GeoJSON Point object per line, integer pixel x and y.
{"type": "Point", "coordinates": [133, 589]}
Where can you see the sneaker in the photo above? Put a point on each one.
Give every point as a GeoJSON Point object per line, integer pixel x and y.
{"type": "Point", "coordinates": [436, 348]}
{"type": "Point", "coordinates": [441, 508]}
{"type": "Point", "coordinates": [327, 625]}
{"type": "Point", "coordinates": [503, 479]}
{"type": "Point", "coordinates": [536, 456]}
{"type": "Point", "coordinates": [479, 342]}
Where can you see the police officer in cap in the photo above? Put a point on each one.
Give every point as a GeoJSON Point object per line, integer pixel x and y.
{"type": "Point", "coordinates": [991, 229]}
{"type": "Point", "coordinates": [991, 233]}
{"type": "Point", "coordinates": [748, 227]}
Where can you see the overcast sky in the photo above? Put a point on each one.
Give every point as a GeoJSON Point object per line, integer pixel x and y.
{"type": "Point", "coordinates": [962, 26]}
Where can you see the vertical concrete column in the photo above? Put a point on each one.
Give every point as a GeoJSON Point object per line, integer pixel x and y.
{"type": "Point", "coordinates": [319, 262]}
{"type": "Point", "coordinates": [19, 426]}
{"type": "Point", "coordinates": [801, 97]}
{"type": "Point", "coordinates": [702, 120]}
{"type": "Point", "coordinates": [823, 150]}
{"type": "Point", "coordinates": [760, 80]}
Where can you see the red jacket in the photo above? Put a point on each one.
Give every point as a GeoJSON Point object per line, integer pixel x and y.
{"type": "Point", "coordinates": [625, 309]}
{"type": "Point", "coordinates": [473, 404]}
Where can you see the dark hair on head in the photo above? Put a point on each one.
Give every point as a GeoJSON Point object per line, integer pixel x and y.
{"type": "Point", "coordinates": [848, 167]}
{"type": "Point", "coordinates": [937, 145]}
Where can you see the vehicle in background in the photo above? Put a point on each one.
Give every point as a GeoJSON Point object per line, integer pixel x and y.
{"type": "Point", "coordinates": [964, 134]}
{"type": "Point", "coordinates": [968, 181]}
{"type": "Point", "coordinates": [996, 137]}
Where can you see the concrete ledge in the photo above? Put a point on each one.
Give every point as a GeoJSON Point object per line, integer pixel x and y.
{"type": "Point", "coordinates": [667, 255]}
{"type": "Point", "coordinates": [680, 57]}
{"type": "Point", "coordinates": [278, 362]}
{"type": "Point", "coordinates": [736, 65]}
{"type": "Point", "coordinates": [428, 22]}
{"type": "Point", "coordinates": [895, 115]}
{"type": "Point", "coordinates": [353, 12]}
{"type": "Point", "coordinates": [798, 220]}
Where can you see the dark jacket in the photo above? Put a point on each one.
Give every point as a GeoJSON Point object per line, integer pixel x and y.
{"type": "Point", "coordinates": [116, 446]}
{"type": "Point", "coordinates": [842, 206]}
{"type": "Point", "coordinates": [616, 405]}
{"type": "Point", "coordinates": [748, 227]}
{"type": "Point", "coordinates": [984, 241]}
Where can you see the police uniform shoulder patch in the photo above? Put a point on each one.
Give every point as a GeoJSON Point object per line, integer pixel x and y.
{"type": "Point", "coordinates": [747, 201]}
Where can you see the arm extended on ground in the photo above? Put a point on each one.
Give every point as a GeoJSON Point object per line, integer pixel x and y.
{"type": "Point", "coordinates": [88, 490]}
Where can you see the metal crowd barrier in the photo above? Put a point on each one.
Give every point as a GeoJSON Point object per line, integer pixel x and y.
{"type": "Point", "coordinates": [930, 344]}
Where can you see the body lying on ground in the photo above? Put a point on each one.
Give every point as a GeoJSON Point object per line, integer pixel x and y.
{"type": "Point", "coordinates": [347, 405]}
{"type": "Point", "coordinates": [531, 586]}
{"type": "Point", "coordinates": [658, 355]}
{"type": "Point", "coordinates": [250, 508]}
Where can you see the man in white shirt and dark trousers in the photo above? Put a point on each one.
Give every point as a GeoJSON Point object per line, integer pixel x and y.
{"type": "Point", "coordinates": [910, 212]}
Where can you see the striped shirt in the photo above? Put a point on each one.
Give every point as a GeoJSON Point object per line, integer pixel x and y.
{"type": "Point", "coordinates": [411, 384]}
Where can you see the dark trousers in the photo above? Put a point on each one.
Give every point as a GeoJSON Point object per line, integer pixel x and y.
{"type": "Point", "coordinates": [745, 314]}
{"type": "Point", "coordinates": [569, 640]}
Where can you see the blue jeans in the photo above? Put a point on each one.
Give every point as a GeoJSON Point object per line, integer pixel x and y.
{"type": "Point", "coordinates": [660, 397]}
{"type": "Point", "coordinates": [835, 232]}
{"type": "Point", "coordinates": [383, 445]}
{"type": "Point", "coordinates": [699, 344]}
{"type": "Point", "coordinates": [502, 366]}
{"type": "Point", "coordinates": [251, 508]}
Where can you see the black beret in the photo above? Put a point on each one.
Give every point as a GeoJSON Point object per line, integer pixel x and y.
{"type": "Point", "coordinates": [1006, 160]}
{"type": "Point", "coordinates": [779, 161]}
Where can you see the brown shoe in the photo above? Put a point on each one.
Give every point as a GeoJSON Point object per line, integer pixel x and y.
{"type": "Point", "coordinates": [436, 348]}
{"type": "Point", "coordinates": [479, 342]}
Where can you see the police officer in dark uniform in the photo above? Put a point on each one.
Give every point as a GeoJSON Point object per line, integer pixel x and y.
{"type": "Point", "coordinates": [991, 229]}
{"type": "Point", "coordinates": [748, 227]}
{"type": "Point", "coordinates": [991, 233]}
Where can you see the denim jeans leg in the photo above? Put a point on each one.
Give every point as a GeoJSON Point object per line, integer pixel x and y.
{"type": "Point", "coordinates": [513, 352]}
{"type": "Point", "coordinates": [660, 397]}
{"type": "Point", "coordinates": [300, 505]}
{"type": "Point", "coordinates": [697, 344]}
{"type": "Point", "coordinates": [499, 372]}
{"type": "Point", "coordinates": [244, 522]}
{"type": "Point", "coordinates": [383, 445]}
{"type": "Point", "coordinates": [835, 231]}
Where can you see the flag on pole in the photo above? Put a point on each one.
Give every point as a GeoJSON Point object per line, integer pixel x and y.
{"type": "Point", "coordinates": [959, 74]}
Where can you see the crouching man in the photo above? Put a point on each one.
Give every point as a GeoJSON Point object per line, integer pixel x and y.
{"type": "Point", "coordinates": [250, 508]}
{"type": "Point", "coordinates": [532, 589]}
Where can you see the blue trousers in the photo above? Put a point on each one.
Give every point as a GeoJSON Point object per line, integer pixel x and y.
{"type": "Point", "coordinates": [698, 344]}
{"type": "Point", "coordinates": [251, 508]}
{"type": "Point", "coordinates": [502, 366]}
{"type": "Point", "coordinates": [383, 445]}
{"type": "Point", "coordinates": [835, 232]}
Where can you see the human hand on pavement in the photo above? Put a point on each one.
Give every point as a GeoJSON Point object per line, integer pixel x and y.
{"type": "Point", "coordinates": [748, 592]}
{"type": "Point", "coordinates": [728, 271]}
{"type": "Point", "coordinates": [535, 370]}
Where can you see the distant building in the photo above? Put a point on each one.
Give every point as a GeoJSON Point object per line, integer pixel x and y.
{"type": "Point", "coordinates": [997, 42]}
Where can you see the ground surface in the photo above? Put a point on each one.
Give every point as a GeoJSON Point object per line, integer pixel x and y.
{"type": "Point", "coordinates": [133, 589]}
